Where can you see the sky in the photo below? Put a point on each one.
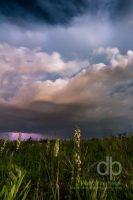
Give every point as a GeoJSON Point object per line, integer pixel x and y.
{"type": "Point", "coordinates": [65, 64]}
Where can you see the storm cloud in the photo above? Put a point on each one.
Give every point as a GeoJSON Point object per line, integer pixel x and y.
{"type": "Point", "coordinates": [61, 11]}
{"type": "Point", "coordinates": [96, 93]}
{"type": "Point", "coordinates": [66, 63]}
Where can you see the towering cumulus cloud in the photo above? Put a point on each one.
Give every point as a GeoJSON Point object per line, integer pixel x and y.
{"type": "Point", "coordinates": [64, 63]}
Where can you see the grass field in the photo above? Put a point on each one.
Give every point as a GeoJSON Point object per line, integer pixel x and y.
{"type": "Point", "coordinates": [65, 169]}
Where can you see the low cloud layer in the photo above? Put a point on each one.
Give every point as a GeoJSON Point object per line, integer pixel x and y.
{"type": "Point", "coordinates": [42, 92]}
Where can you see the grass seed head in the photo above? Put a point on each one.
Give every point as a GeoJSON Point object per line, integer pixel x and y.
{"type": "Point", "coordinates": [77, 159]}
{"type": "Point", "coordinates": [19, 141]}
{"type": "Point", "coordinates": [56, 147]}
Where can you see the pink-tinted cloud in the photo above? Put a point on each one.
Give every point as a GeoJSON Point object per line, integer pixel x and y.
{"type": "Point", "coordinates": [103, 91]}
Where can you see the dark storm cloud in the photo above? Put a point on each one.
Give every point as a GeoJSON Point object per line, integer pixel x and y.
{"type": "Point", "coordinates": [54, 117]}
{"type": "Point", "coordinates": [61, 121]}
{"type": "Point", "coordinates": [60, 11]}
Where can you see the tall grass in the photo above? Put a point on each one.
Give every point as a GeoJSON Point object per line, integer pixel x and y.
{"type": "Point", "coordinates": [64, 169]}
{"type": "Point", "coordinates": [12, 188]}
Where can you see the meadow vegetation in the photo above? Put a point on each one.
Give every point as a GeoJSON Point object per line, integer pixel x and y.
{"type": "Point", "coordinates": [65, 169]}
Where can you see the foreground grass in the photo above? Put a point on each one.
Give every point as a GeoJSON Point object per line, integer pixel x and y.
{"type": "Point", "coordinates": [49, 170]}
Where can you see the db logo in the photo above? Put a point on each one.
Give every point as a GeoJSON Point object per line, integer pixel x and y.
{"type": "Point", "coordinates": [109, 165]}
